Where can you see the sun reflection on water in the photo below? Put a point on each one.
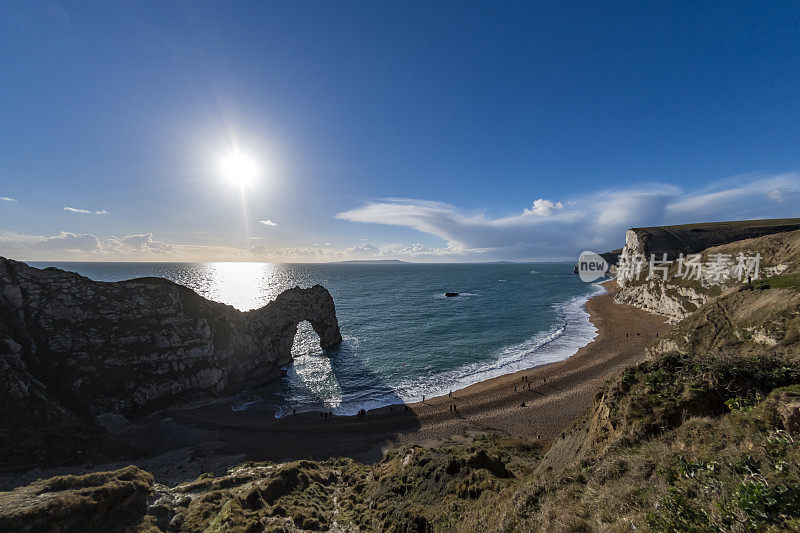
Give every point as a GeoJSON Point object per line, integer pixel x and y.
{"type": "Point", "coordinates": [245, 286]}
{"type": "Point", "coordinates": [313, 369]}
{"type": "Point", "coordinates": [249, 286]}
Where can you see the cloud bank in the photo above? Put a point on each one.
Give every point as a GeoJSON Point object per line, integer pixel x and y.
{"type": "Point", "coordinates": [66, 246]}
{"type": "Point", "coordinates": [557, 230]}
{"type": "Point", "coordinates": [544, 229]}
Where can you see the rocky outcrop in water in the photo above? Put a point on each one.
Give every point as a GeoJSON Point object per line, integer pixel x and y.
{"type": "Point", "coordinates": [70, 345]}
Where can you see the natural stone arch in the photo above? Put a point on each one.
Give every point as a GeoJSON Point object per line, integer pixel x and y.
{"type": "Point", "coordinates": [281, 318]}
{"type": "Point", "coordinates": [139, 345]}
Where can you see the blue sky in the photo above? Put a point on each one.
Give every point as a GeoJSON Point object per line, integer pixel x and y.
{"type": "Point", "coordinates": [428, 131]}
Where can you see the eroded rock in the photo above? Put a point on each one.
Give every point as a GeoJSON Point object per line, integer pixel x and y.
{"type": "Point", "coordinates": [131, 347]}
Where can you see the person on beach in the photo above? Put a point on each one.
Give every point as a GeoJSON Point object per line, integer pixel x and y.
{"type": "Point", "coordinates": [450, 394]}
{"type": "Point", "coordinates": [423, 398]}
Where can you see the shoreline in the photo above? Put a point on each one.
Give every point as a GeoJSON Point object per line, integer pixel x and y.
{"type": "Point", "coordinates": [560, 391]}
{"type": "Point", "coordinates": [179, 445]}
{"type": "Point", "coordinates": [551, 407]}
{"type": "Point", "coordinates": [510, 376]}
{"type": "Point", "coordinates": [570, 332]}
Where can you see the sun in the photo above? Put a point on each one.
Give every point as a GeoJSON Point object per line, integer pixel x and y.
{"type": "Point", "coordinates": [239, 169]}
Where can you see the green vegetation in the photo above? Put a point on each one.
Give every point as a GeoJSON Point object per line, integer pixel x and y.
{"type": "Point", "coordinates": [787, 281]}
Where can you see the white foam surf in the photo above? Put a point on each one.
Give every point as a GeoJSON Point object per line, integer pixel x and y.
{"type": "Point", "coordinates": [573, 331]}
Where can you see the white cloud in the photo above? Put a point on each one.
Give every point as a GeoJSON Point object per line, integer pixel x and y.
{"type": "Point", "coordinates": [68, 245]}
{"type": "Point", "coordinates": [547, 230]}
{"type": "Point", "coordinates": [258, 249]}
{"type": "Point", "coordinates": [268, 222]}
{"type": "Point", "coordinates": [145, 246]}
{"type": "Point", "coordinates": [143, 242]}
{"type": "Point", "coordinates": [739, 198]}
{"type": "Point", "coordinates": [85, 211]}
{"type": "Point", "coordinates": [7, 199]}
{"type": "Point", "coordinates": [598, 220]}
{"type": "Point", "coordinates": [543, 208]}
{"type": "Point", "coordinates": [14, 244]}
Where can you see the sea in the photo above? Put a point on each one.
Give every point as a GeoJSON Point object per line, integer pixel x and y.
{"type": "Point", "coordinates": [403, 339]}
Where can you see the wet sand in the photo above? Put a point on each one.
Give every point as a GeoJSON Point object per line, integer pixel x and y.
{"type": "Point", "coordinates": [558, 394]}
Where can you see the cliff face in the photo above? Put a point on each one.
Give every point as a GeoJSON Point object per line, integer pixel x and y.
{"type": "Point", "coordinates": [134, 346]}
{"type": "Point", "coordinates": [694, 238]}
{"type": "Point", "coordinates": [679, 298]}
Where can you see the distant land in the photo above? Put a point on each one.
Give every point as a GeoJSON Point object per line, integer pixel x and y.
{"type": "Point", "coordinates": [374, 261]}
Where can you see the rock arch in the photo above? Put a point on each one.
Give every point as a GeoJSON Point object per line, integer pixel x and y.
{"type": "Point", "coordinates": [139, 345]}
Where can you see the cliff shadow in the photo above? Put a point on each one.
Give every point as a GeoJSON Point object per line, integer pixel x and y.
{"type": "Point", "coordinates": [247, 426]}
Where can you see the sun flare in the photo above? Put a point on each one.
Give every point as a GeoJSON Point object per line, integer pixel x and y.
{"type": "Point", "coordinates": [239, 169]}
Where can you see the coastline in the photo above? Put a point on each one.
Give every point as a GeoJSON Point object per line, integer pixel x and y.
{"type": "Point", "coordinates": [560, 392]}
{"type": "Point", "coordinates": [182, 444]}
{"type": "Point", "coordinates": [490, 405]}
{"type": "Point", "coordinates": [562, 341]}
{"type": "Point", "coordinates": [567, 337]}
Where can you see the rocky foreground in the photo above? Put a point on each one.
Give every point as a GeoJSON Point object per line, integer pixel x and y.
{"type": "Point", "coordinates": [76, 353]}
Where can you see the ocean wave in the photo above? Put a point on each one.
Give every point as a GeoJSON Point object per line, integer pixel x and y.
{"type": "Point", "coordinates": [573, 331]}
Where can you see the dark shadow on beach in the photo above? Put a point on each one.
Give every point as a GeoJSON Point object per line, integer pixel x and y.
{"type": "Point", "coordinates": [221, 436]}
